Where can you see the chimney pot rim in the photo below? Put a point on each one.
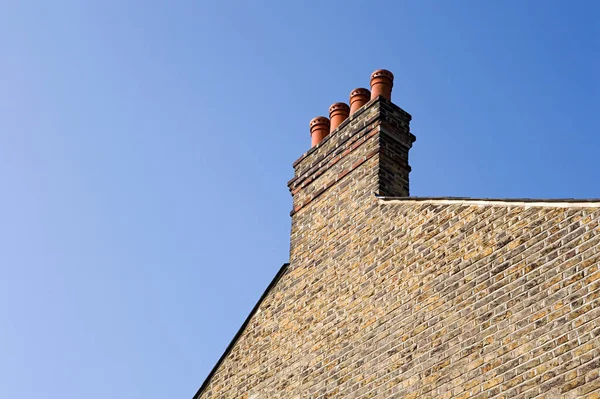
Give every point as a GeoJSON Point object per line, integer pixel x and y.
{"type": "Point", "coordinates": [340, 106]}
{"type": "Point", "coordinates": [382, 73]}
{"type": "Point", "coordinates": [360, 91]}
{"type": "Point", "coordinates": [319, 120]}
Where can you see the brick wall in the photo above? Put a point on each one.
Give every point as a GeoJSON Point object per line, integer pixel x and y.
{"type": "Point", "coordinates": [419, 299]}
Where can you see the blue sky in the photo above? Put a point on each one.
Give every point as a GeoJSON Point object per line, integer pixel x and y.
{"type": "Point", "coordinates": [145, 148]}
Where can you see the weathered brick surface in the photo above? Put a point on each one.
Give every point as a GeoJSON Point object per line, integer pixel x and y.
{"type": "Point", "coordinates": [406, 299]}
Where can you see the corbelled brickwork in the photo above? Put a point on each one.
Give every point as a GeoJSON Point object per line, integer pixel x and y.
{"type": "Point", "coordinates": [400, 298]}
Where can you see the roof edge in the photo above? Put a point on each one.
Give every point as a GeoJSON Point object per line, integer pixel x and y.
{"type": "Point", "coordinates": [552, 202]}
{"type": "Point", "coordinates": [239, 333]}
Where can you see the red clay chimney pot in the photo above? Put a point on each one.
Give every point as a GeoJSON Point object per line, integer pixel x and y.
{"type": "Point", "coordinates": [358, 98]}
{"type": "Point", "coordinates": [382, 81]}
{"type": "Point", "coordinates": [319, 129]}
{"type": "Point", "coordinates": [338, 113]}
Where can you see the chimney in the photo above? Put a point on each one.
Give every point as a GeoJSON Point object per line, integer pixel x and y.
{"type": "Point", "coordinates": [362, 153]}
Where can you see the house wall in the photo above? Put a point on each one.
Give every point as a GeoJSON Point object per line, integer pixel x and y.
{"type": "Point", "coordinates": [392, 299]}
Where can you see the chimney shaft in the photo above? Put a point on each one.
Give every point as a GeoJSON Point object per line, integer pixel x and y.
{"type": "Point", "coordinates": [366, 155]}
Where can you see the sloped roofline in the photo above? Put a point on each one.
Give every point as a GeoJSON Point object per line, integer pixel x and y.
{"type": "Point", "coordinates": [554, 202]}
{"type": "Point", "coordinates": [237, 336]}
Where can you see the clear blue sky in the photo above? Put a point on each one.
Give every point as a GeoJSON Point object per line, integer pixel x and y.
{"type": "Point", "coordinates": [145, 148]}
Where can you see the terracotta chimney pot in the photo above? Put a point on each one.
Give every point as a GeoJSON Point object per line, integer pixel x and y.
{"type": "Point", "coordinates": [338, 113]}
{"type": "Point", "coordinates": [358, 98]}
{"type": "Point", "coordinates": [319, 129]}
{"type": "Point", "coordinates": [382, 81]}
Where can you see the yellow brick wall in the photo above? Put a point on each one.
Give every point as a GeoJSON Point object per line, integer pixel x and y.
{"type": "Point", "coordinates": [401, 299]}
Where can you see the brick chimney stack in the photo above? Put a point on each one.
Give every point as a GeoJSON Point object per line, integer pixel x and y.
{"type": "Point", "coordinates": [362, 150]}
